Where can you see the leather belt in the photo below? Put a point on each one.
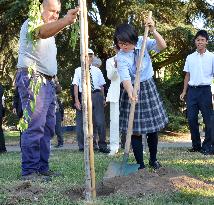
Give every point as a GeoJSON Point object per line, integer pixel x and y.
{"type": "Point", "coordinates": [48, 77]}
{"type": "Point", "coordinates": [96, 91]}
{"type": "Point", "coordinates": [199, 86]}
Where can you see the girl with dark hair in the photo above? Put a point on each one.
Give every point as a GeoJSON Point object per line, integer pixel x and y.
{"type": "Point", "coordinates": [150, 116]}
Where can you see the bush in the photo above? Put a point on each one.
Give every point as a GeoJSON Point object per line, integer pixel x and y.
{"type": "Point", "coordinates": [177, 123]}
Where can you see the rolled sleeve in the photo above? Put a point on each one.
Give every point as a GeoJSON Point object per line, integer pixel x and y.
{"type": "Point", "coordinates": [123, 69]}
{"type": "Point", "coordinates": [152, 45]}
{"type": "Point", "coordinates": [76, 78]}
{"type": "Point", "coordinates": [111, 70]}
{"type": "Point", "coordinates": [186, 66]}
{"type": "Point", "coordinates": [101, 79]}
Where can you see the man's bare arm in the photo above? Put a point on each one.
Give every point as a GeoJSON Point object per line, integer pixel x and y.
{"type": "Point", "coordinates": [50, 29]}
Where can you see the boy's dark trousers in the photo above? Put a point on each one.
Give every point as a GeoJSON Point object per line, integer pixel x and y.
{"type": "Point", "coordinates": [2, 140]}
{"type": "Point", "coordinates": [199, 98]}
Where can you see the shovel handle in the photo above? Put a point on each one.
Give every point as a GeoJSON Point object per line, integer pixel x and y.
{"type": "Point", "coordinates": [135, 90]}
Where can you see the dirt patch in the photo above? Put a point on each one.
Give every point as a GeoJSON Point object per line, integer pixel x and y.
{"type": "Point", "coordinates": [24, 190]}
{"type": "Point", "coordinates": [144, 182]}
{"type": "Point", "coordinates": [190, 183]}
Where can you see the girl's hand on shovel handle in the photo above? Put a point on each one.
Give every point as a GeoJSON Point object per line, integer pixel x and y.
{"type": "Point", "coordinates": [151, 24]}
{"type": "Point", "coordinates": [133, 98]}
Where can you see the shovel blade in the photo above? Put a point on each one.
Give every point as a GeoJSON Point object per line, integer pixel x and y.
{"type": "Point", "coordinates": [120, 169]}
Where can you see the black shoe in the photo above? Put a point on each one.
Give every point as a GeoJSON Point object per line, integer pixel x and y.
{"type": "Point", "coordinates": [33, 177]}
{"type": "Point", "coordinates": [105, 150]}
{"type": "Point", "coordinates": [155, 164]}
{"type": "Point", "coordinates": [81, 149]}
{"type": "Point", "coordinates": [3, 151]}
{"type": "Point", "coordinates": [142, 166]}
{"type": "Point", "coordinates": [194, 150]}
{"type": "Point", "coordinates": [58, 146]}
{"type": "Point", "coordinates": [206, 152]}
{"type": "Point", "coordinates": [96, 148]}
{"type": "Point", "coordinates": [50, 173]}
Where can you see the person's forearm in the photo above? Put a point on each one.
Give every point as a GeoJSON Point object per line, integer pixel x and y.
{"type": "Point", "coordinates": [161, 44]}
{"type": "Point", "coordinates": [102, 90]}
{"type": "Point", "coordinates": [51, 29]}
{"type": "Point", "coordinates": [186, 80]}
{"type": "Point", "coordinates": [76, 93]}
{"type": "Point", "coordinates": [128, 87]}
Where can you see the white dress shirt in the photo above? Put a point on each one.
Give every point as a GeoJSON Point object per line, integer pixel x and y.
{"type": "Point", "coordinates": [200, 67]}
{"type": "Point", "coordinates": [97, 77]}
{"type": "Point", "coordinates": [113, 94]}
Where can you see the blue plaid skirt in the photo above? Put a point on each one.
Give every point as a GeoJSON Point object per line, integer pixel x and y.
{"type": "Point", "coordinates": [150, 116]}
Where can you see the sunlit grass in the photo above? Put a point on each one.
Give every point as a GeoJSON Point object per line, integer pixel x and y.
{"type": "Point", "coordinates": [70, 163]}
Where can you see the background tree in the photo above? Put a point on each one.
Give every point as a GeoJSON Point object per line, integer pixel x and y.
{"type": "Point", "coordinates": [174, 20]}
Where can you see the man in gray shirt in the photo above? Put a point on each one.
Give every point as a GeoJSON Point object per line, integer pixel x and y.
{"type": "Point", "coordinates": [35, 142]}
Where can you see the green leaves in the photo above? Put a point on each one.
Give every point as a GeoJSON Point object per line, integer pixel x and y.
{"type": "Point", "coordinates": [23, 122]}
{"type": "Point", "coordinates": [35, 21]}
{"type": "Point", "coordinates": [75, 28]}
{"type": "Point", "coordinates": [35, 86]}
{"type": "Point", "coordinates": [74, 36]}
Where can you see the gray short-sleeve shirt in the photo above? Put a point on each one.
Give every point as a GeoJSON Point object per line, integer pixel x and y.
{"type": "Point", "coordinates": [43, 55]}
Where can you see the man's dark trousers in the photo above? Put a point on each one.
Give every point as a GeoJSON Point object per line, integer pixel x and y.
{"type": "Point", "coordinates": [99, 118]}
{"type": "Point", "coordinates": [58, 128]}
{"type": "Point", "coordinates": [35, 141]}
{"type": "Point", "coordinates": [199, 98]}
{"type": "Point", "coordinates": [98, 122]}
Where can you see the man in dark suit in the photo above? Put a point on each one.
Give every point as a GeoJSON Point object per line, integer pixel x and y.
{"type": "Point", "coordinates": [2, 140]}
{"type": "Point", "coordinates": [17, 104]}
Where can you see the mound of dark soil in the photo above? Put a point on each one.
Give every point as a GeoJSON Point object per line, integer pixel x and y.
{"type": "Point", "coordinates": [144, 182]}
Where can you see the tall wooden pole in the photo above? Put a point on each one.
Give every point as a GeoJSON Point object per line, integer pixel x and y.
{"type": "Point", "coordinates": [84, 60]}
{"type": "Point", "coordinates": [89, 100]}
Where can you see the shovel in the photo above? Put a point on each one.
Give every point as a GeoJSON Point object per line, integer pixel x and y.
{"type": "Point", "coordinates": [123, 168]}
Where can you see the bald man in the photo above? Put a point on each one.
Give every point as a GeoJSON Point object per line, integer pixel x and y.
{"type": "Point", "coordinates": [35, 142]}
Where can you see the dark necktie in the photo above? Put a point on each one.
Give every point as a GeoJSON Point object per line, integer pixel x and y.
{"type": "Point", "coordinates": [92, 84]}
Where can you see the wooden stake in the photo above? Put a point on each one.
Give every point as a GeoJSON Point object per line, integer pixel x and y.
{"type": "Point", "coordinates": [84, 60]}
{"type": "Point", "coordinates": [89, 100]}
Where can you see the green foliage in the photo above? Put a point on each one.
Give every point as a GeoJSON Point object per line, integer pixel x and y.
{"type": "Point", "coordinates": [36, 82]}
{"type": "Point", "coordinates": [75, 28]}
{"type": "Point", "coordinates": [35, 21]}
{"type": "Point", "coordinates": [74, 36]}
{"type": "Point", "coordinates": [23, 124]}
{"type": "Point", "coordinates": [173, 20]}
{"type": "Point", "coordinates": [177, 123]}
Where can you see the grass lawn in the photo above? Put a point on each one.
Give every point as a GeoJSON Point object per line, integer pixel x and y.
{"type": "Point", "coordinates": [70, 163]}
{"type": "Point", "coordinates": [12, 137]}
